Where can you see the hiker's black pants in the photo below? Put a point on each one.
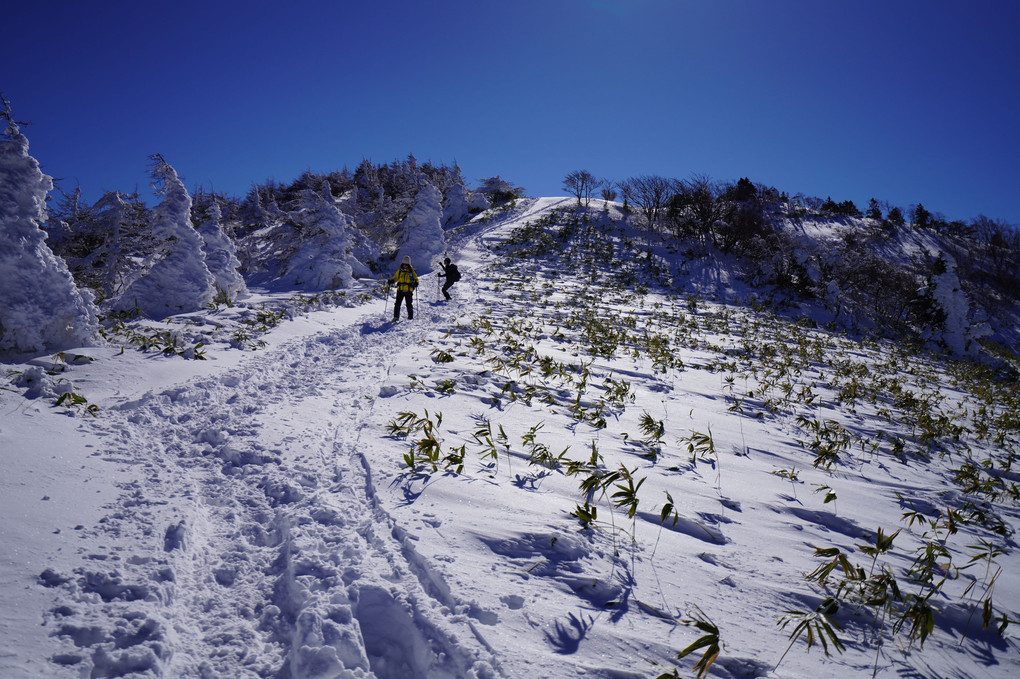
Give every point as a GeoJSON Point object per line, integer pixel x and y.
{"type": "Point", "coordinates": [446, 288]}
{"type": "Point", "coordinates": [403, 295]}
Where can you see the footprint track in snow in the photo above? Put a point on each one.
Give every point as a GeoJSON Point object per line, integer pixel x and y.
{"type": "Point", "coordinates": [260, 548]}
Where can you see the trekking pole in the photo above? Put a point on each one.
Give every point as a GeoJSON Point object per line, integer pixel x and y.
{"type": "Point", "coordinates": [386, 300]}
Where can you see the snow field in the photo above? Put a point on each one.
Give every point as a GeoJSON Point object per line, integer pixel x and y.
{"type": "Point", "coordinates": [272, 552]}
{"type": "Point", "coordinates": [745, 532]}
{"type": "Point", "coordinates": [257, 517]}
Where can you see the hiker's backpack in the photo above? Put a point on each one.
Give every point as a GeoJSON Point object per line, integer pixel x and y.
{"type": "Point", "coordinates": [453, 275]}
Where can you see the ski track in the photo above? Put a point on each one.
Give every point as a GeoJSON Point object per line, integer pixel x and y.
{"type": "Point", "coordinates": [255, 532]}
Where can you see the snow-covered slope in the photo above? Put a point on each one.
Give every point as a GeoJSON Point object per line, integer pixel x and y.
{"type": "Point", "coordinates": [355, 498]}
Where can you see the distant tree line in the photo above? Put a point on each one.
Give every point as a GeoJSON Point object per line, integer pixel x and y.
{"type": "Point", "coordinates": [867, 272]}
{"type": "Point", "coordinates": [70, 264]}
{"type": "Point", "coordinates": [696, 208]}
{"type": "Point", "coordinates": [110, 243]}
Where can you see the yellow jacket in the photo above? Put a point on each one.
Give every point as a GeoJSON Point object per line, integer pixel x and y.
{"type": "Point", "coordinates": [406, 279]}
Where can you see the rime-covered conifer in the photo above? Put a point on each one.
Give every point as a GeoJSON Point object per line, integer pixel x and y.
{"type": "Point", "coordinates": [175, 279]}
{"type": "Point", "coordinates": [456, 207]}
{"type": "Point", "coordinates": [41, 308]}
{"type": "Point", "coordinates": [220, 252]}
{"type": "Point", "coordinates": [421, 232]}
{"type": "Point", "coordinates": [325, 258]}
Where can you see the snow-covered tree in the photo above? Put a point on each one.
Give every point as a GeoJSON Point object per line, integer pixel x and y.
{"type": "Point", "coordinates": [478, 202]}
{"type": "Point", "coordinates": [105, 242]}
{"type": "Point", "coordinates": [325, 258]}
{"type": "Point", "coordinates": [407, 175]}
{"type": "Point", "coordinates": [456, 207]}
{"type": "Point", "coordinates": [259, 215]}
{"type": "Point", "coordinates": [421, 232]}
{"type": "Point", "coordinates": [363, 251]}
{"type": "Point", "coordinates": [176, 278]}
{"type": "Point", "coordinates": [220, 252]}
{"type": "Point", "coordinates": [41, 308]}
{"type": "Point", "coordinates": [498, 191]}
{"type": "Point", "coordinates": [70, 208]}
{"type": "Point", "coordinates": [366, 179]}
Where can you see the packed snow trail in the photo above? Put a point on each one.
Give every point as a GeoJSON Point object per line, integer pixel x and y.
{"type": "Point", "coordinates": [258, 548]}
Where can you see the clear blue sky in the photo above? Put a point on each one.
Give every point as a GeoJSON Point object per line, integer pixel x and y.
{"type": "Point", "coordinates": [902, 100]}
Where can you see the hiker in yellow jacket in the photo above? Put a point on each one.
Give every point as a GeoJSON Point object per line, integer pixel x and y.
{"type": "Point", "coordinates": [406, 281]}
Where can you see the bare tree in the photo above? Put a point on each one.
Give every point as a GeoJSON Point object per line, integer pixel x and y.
{"type": "Point", "coordinates": [581, 184]}
{"type": "Point", "coordinates": [608, 190]}
{"type": "Point", "coordinates": [1001, 242]}
{"type": "Point", "coordinates": [651, 194]}
{"type": "Point", "coordinates": [626, 192]}
{"type": "Point", "coordinates": [695, 208]}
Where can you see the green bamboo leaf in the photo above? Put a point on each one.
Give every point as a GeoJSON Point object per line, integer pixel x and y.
{"type": "Point", "coordinates": [701, 642]}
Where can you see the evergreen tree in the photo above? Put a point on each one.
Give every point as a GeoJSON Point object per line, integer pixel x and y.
{"type": "Point", "coordinates": [70, 209]}
{"type": "Point", "coordinates": [175, 279]}
{"type": "Point", "coordinates": [41, 308]}
{"type": "Point", "coordinates": [220, 252]}
{"type": "Point", "coordinates": [366, 179]}
{"type": "Point", "coordinates": [743, 191]}
{"type": "Point", "coordinates": [421, 232]}
{"type": "Point", "coordinates": [325, 257]}
{"type": "Point", "coordinates": [895, 216]}
{"type": "Point", "coordinates": [920, 217]}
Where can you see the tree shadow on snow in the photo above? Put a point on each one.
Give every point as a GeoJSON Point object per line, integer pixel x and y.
{"type": "Point", "coordinates": [567, 635]}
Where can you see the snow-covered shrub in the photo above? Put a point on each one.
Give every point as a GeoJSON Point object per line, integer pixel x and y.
{"type": "Point", "coordinates": [478, 202]}
{"type": "Point", "coordinates": [175, 278]}
{"type": "Point", "coordinates": [41, 308]}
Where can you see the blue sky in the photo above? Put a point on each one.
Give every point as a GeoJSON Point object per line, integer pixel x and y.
{"type": "Point", "coordinates": [905, 101]}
